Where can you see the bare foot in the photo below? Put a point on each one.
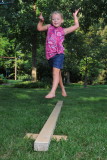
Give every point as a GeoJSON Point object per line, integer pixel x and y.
{"type": "Point", "coordinates": [50, 95]}
{"type": "Point", "coordinates": [64, 94]}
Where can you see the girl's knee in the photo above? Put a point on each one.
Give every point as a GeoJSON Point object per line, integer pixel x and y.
{"type": "Point", "coordinates": [56, 70]}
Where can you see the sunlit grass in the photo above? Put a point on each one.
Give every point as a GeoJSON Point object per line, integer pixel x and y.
{"type": "Point", "coordinates": [93, 98]}
{"type": "Point", "coordinates": [83, 119]}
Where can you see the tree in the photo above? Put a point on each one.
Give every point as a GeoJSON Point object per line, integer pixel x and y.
{"type": "Point", "coordinates": [21, 21]}
{"type": "Point", "coordinates": [19, 24]}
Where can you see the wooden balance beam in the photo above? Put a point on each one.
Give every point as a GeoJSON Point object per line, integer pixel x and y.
{"type": "Point", "coordinates": [43, 139]}
{"type": "Point", "coordinates": [54, 137]}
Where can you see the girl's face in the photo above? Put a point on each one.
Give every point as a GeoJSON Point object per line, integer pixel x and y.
{"type": "Point", "coordinates": [57, 20]}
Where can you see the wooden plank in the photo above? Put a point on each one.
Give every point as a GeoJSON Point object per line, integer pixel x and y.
{"type": "Point", "coordinates": [43, 140]}
{"type": "Point", "coordinates": [55, 137]}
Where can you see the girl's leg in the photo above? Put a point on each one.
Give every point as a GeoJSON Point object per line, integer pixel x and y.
{"type": "Point", "coordinates": [55, 83]}
{"type": "Point", "coordinates": [61, 85]}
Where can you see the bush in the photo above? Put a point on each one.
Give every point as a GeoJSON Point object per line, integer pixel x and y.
{"type": "Point", "coordinates": [31, 85]}
{"type": "Point", "coordinates": [97, 82]}
{"type": "Point", "coordinates": [81, 82]}
{"type": "Point", "coordinates": [24, 77]}
{"type": "Point", "coordinates": [102, 78]}
{"type": "Point", "coordinates": [2, 79]}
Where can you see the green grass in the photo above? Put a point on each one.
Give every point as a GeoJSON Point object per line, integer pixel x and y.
{"type": "Point", "coordinates": [83, 119]}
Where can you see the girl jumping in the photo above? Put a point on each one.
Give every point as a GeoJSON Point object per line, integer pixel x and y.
{"type": "Point", "coordinates": [54, 46]}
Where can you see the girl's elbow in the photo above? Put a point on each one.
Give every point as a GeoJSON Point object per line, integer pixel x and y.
{"type": "Point", "coordinates": [78, 26]}
{"type": "Point", "coordinates": [38, 28]}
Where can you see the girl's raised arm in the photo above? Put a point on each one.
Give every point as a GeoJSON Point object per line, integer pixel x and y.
{"type": "Point", "coordinates": [40, 26]}
{"type": "Point", "coordinates": [75, 26]}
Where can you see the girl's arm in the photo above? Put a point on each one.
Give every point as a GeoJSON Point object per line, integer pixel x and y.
{"type": "Point", "coordinates": [75, 26]}
{"type": "Point", "coordinates": [40, 26]}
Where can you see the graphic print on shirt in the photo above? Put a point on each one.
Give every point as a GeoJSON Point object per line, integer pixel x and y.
{"type": "Point", "coordinates": [55, 38]}
{"type": "Point", "coordinates": [52, 43]}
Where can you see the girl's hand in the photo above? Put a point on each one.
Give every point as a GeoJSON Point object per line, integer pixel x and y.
{"type": "Point", "coordinates": [41, 17]}
{"type": "Point", "coordinates": [76, 12]}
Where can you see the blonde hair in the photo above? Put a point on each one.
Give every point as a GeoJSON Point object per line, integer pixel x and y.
{"type": "Point", "coordinates": [56, 12]}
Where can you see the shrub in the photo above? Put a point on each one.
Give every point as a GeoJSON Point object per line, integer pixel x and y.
{"type": "Point", "coordinates": [81, 82]}
{"type": "Point", "coordinates": [24, 77]}
{"type": "Point", "coordinates": [28, 84]}
{"type": "Point", "coordinates": [2, 79]}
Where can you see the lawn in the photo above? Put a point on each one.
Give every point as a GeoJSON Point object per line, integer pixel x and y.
{"type": "Point", "coordinates": [83, 119]}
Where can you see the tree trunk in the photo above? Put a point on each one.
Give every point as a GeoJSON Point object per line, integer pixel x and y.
{"type": "Point", "coordinates": [68, 77]}
{"type": "Point", "coordinates": [86, 75]}
{"type": "Point", "coordinates": [85, 79]}
{"type": "Point", "coordinates": [34, 50]}
{"type": "Point", "coordinates": [34, 73]}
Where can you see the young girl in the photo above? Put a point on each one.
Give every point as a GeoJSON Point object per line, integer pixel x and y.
{"type": "Point", "coordinates": [54, 46]}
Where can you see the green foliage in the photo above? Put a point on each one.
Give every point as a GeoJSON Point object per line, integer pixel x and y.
{"type": "Point", "coordinates": [102, 78]}
{"type": "Point", "coordinates": [24, 77]}
{"type": "Point", "coordinates": [28, 84]}
{"type": "Point", "coordinates": [2, 79]}
{"type": "Point", "coordinates": [21, 39]}
{"type": "Point", "coordinates": [4, 45]}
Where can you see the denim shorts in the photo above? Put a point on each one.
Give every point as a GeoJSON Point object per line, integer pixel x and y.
{"type": "Point", "coordinates": [57, 61]}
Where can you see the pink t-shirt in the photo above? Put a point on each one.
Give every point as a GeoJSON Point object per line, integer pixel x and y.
{"type": "Point", "coordinates": [54, 40]}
